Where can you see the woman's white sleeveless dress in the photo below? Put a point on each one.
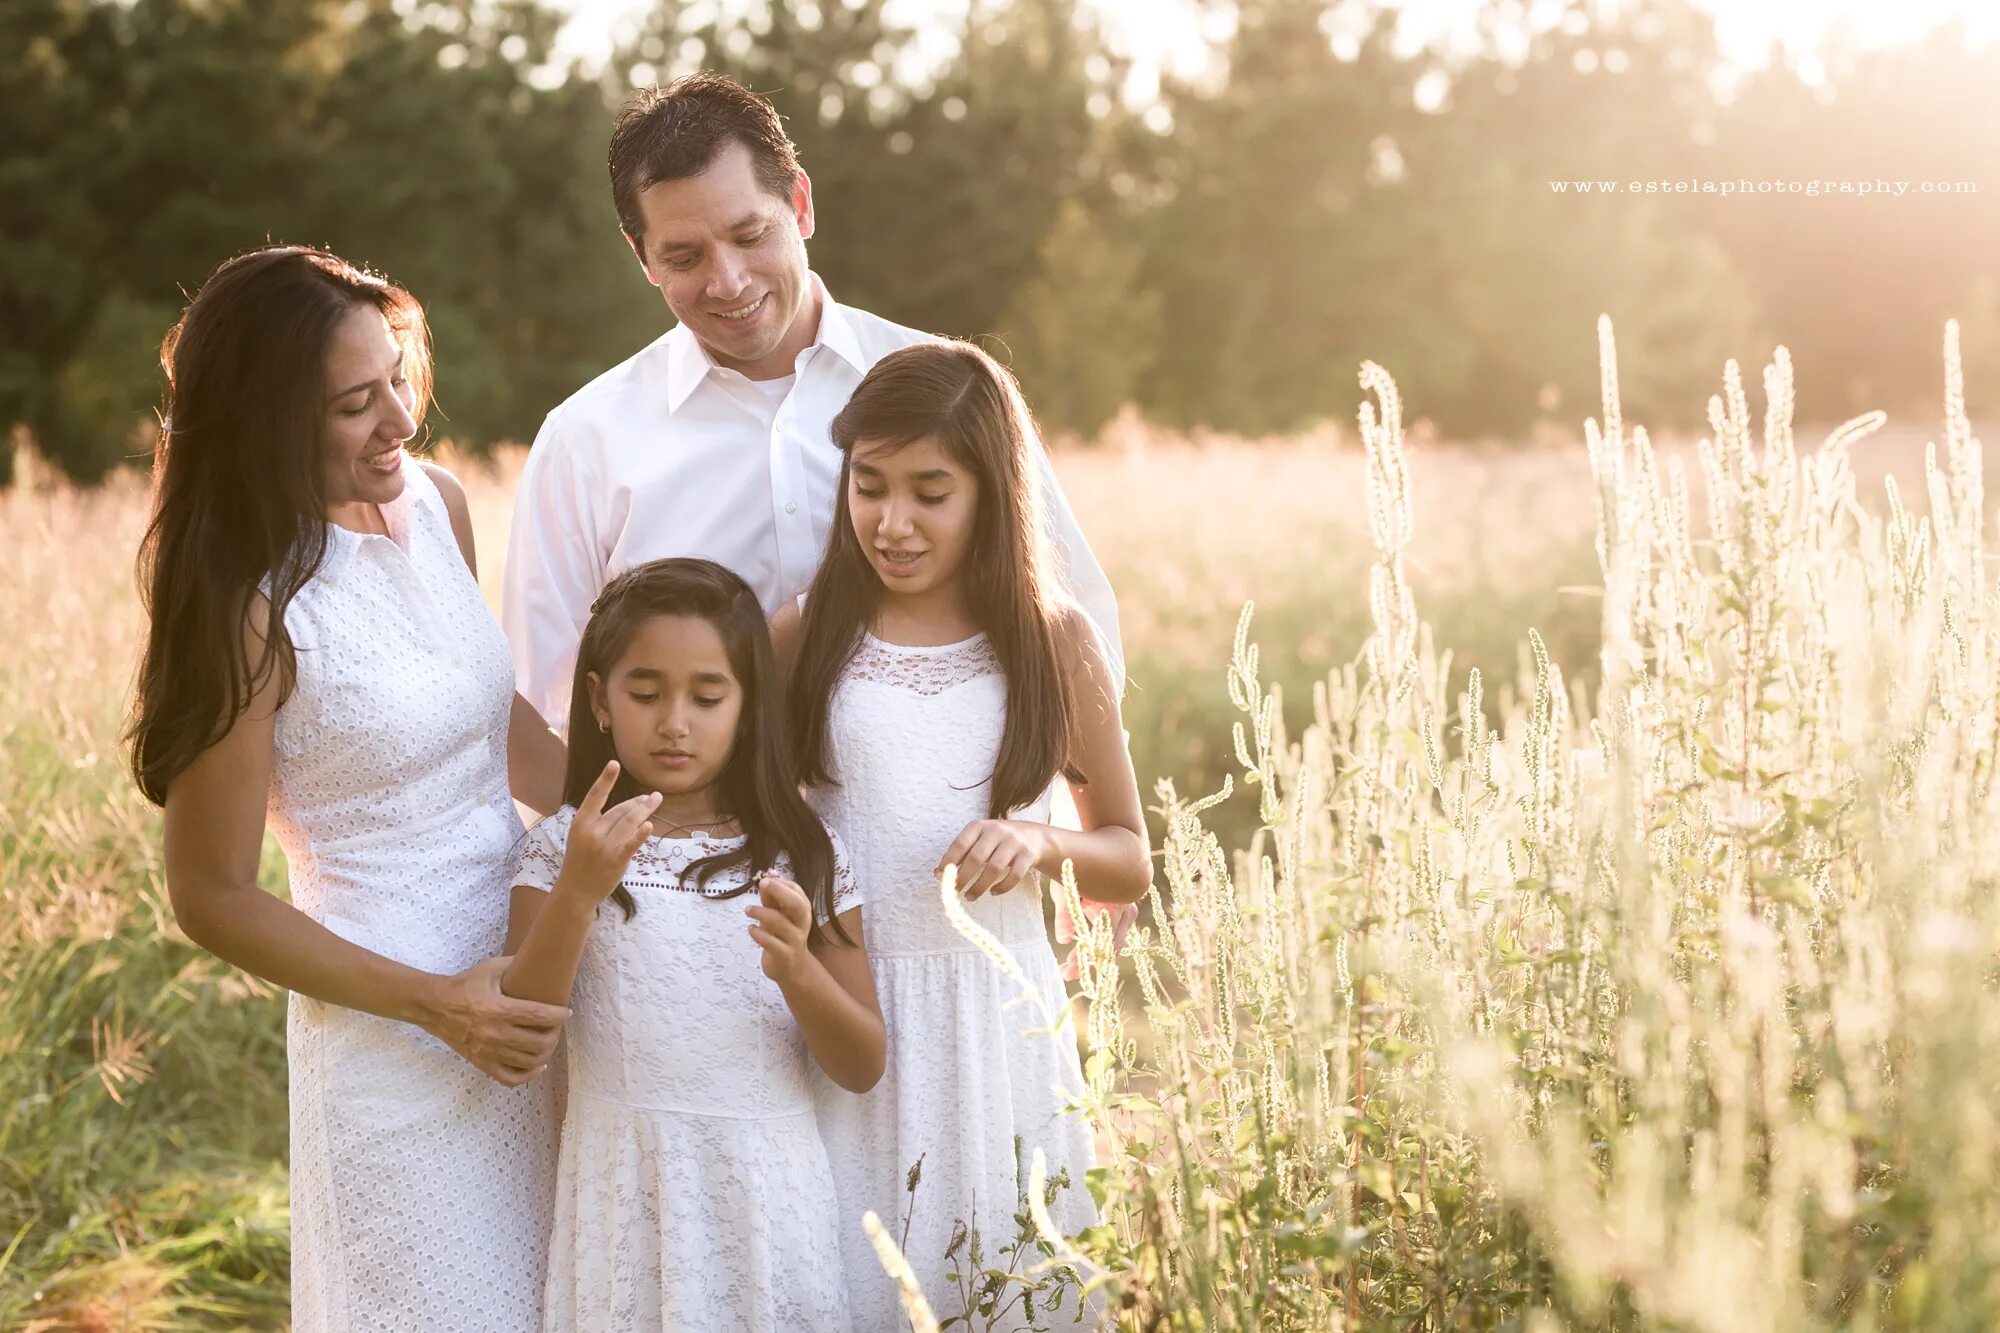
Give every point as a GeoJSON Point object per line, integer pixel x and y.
{"type": "Point", "coordinates": [420, 1187]}
{"type": "Point", "coordinates": [913, 736]}
{"type": "Point", "coordinates": [693, 1194]}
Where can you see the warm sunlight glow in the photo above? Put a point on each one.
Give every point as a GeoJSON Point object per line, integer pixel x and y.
{"type": "Point", "coordinates": [1179, 35]}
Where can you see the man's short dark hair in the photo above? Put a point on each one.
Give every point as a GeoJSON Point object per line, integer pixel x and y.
{"type": "Point", "coordinates": [677, 130]}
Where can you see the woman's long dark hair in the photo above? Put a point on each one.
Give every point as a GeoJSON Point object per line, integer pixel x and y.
{"type": "Point", "coordinates": [955, 394]}
{"type": "Point", "coordinates": [239, 488]}
{"type": "Point", "coordinates": [756, 785]}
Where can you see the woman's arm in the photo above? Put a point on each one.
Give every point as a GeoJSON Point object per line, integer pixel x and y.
{"type": "Point", "coordinates": [535, 755]}
{"type": "Point", "coordinates": [827, 985]}
{"type": "Point", "coordinates": [213, 837]}
{"type": "Point", "coordinates": [1111, 855]}
{"type": "Point", "coordinates": [536, 759]}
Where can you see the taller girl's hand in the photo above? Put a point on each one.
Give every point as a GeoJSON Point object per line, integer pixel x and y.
{"type": "Point", "coordinates": [994, 855]}
{"type": "Point", "coordinates": [601, 842]}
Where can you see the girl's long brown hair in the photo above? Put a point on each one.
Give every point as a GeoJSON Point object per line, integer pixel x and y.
{"type": "Point", "coordinates": [955, 394]}
{"type": "Point", "coordinates": [239, 490]}
{"type": "Point", "coordinates": [757, 785]}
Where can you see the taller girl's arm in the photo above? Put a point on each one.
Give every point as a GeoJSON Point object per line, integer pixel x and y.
{"type": "Point", "coordinates": [214, 833]}
{"type": "Point", "coordinates": [535, 754]}
{"type": "Point", "coordinates": [1110, 854]}
{"type": "Point", "coordinates": [546, 931]}
{"type": "Point", "coordinates": [827, 984]}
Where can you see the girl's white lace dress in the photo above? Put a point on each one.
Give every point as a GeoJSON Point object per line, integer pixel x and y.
{"type": "Point", "coordinates": [693, 1192]}
{"type": "Point", "coordinates": [420, 1187]}
{"type": "Point", "coordinates": [913, 736]}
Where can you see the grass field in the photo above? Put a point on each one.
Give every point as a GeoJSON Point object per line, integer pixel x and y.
{"type": "Point", "coordinates": [1387, 1095]}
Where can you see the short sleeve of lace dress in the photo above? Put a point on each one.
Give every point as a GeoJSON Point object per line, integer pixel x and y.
{"type": "Point", "coordinates": [542, 852]}
{"type": "Point", "coordinates": [846, 894]}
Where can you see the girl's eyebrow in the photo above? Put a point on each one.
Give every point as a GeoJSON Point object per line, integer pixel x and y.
{"type": "Point", "coordinates": [655, 673]}
{"type": "Point", "coordinates": [928, 474]}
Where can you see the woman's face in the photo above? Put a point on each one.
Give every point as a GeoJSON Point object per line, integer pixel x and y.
{"type": "Point", "coordinates": [671, 703]}
{"type": "Point", "coordinates": [368, 411]}
{"type": "Point", "coordinates": [913, 511]}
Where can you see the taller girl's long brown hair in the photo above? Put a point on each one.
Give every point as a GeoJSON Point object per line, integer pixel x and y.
{"type": "Point", "coordinates": [239, 487]}
{"type": "Point", "coordinates": [953, 393]}
{"type": "Point", "coordinates": [756, 784]}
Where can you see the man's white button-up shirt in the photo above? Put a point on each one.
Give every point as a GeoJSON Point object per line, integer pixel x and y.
{"type": "Point", "coordinates": [669, 454]}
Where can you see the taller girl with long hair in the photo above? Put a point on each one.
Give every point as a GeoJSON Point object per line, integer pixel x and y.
{"type": "Point", "coordinates": [320, 658]}
{"type": "Point", "coordinates": [941, 684]}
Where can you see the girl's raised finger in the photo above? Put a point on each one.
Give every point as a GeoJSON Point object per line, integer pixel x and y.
{"type": "Point", "coordinates": [593, 800]}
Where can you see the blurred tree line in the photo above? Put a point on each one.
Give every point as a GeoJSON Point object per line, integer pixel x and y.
{"type": "Point", "coordinates": [1222, 257]}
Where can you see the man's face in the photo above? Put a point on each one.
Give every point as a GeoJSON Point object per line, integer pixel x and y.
{"type": "Point", "coordinates": [730, 258]}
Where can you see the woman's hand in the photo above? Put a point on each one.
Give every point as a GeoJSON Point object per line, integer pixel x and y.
{"type": "Point", "coordinates": [508, 1040]}
{"type": "Point", "coordinates": [994, 855]}
{"type": "Point", "coordinates": [601, 842]}
{"type": "Point", "coordinates": [782, 927]}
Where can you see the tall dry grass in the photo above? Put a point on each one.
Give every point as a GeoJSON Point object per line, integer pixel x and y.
{"type": "Point", "coordinates": [1662, 1002]}
{"type": "Point", "coordinates": [1672, 1007]}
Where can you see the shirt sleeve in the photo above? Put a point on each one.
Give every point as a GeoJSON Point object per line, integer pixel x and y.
{"type": "Point", "coordinates": [542, 854]}
{"type": "Point", "coordinates": [1082, 576]}
{"type": "Point", "coordinates": [846, 894]}
{"type": "Point", "coordinates": [555, 569]}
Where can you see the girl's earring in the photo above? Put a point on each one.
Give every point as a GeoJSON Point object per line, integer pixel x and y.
{"type": "Point", "coordinates": [604, 726]}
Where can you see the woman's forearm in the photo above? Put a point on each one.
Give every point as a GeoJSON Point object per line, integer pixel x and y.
{"type": "Point", "coordinates": [544, 967]}
{"type": "Point", "coordinates": [1112, 864]}
{"type": "Point", "coordinates": [270, 938]}
{"type": "Point", "coordinates": [844, 1037]}
{"type": "Point", "coordinates": [535, 759]}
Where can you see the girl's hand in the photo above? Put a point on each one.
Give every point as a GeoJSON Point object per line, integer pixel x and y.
{"type": "Point", "coordinates": [782, 926]}
{"type": "Point", "coordinates": [601, 842]}
{"type": "Point", "coordinates": [994, 855]}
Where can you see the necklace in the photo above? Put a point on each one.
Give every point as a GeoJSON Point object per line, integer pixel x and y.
{"type": "Point", "coordinates": [699, 829]}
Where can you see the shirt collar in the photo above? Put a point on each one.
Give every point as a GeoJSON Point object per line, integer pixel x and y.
{"type": "Point", "coordinates": [688, 363]}
{"type": "Point", "coordinates": [836, 329]}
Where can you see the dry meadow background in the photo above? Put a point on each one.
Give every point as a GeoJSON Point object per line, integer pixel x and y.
{"type": "Point", "coordinates": [1499, 1000]}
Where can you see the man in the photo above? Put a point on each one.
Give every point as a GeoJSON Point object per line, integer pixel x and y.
{"type": "Point", "coordinates": [713, 440]}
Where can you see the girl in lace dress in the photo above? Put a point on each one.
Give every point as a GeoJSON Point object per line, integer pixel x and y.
{"type": "Point", "coordinates": [938, 688]}
{"type": "Point", "coordinates": [693, 1192]}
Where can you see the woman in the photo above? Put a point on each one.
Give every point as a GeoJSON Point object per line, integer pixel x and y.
{"type": "Point", "coordinates": [320, 656]}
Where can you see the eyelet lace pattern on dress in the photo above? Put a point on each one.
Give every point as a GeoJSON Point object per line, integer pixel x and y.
{"type": "Point", "coordinates": [420, 1188]}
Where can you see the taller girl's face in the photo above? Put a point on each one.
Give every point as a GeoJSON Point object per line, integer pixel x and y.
{"type": "Point", "coordinates": [672, 702]}
{"type": "Point", "coordinates": [913, 511]}
{"type": "Point", "coordinates": [369, 411]}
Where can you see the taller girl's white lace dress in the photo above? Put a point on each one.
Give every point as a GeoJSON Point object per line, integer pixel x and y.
{"type": "Point", "coordinates": [693, 1194]}
{"type": "Point", "coordinates": [420, 1187]}
{"type": "Point", "coordinates": [913, 735]}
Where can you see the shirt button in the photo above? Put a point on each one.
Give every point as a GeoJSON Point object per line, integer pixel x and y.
{"type": "Point", "coordinates": [791, 507]}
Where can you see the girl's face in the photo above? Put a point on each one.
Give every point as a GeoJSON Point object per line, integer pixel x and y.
{"type": "Point", "coordinates": [671, 702]}
{"type": "Point", "coordinates": [368, 411]}
{"type": "Point", "coordinates": [913, 510]}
